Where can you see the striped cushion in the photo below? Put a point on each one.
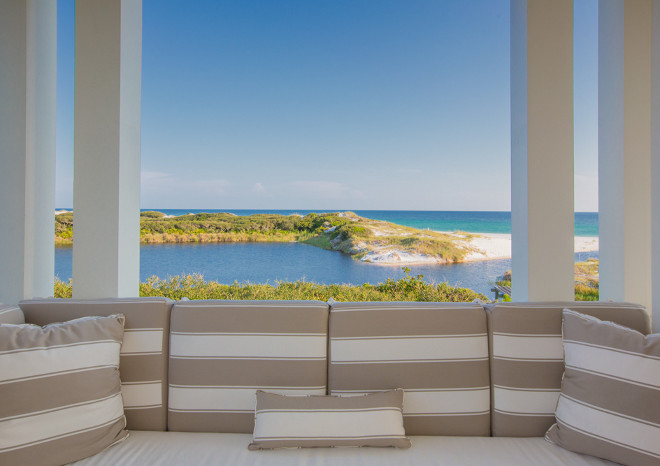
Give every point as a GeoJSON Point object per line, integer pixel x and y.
{"type": "Point", "coordinates": [528, 362]}
{"type": "Point", "coordinates": [610, 395]}
{"type": "Point", "coordinates": [143, 367]}
{"type": "Point", "coordinates": [436, 352]}
{"type": "Point", "coordinates": [223, 351]}
{"type": "Point", "coordinates": [60, 390]}
{"type": "Point", "coordinates": [11, 315]}
{"type": "Point", "coordinates": [372, 420]}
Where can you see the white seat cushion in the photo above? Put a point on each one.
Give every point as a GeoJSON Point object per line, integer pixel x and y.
{"type": "Point", "coordinates": [177, 448]}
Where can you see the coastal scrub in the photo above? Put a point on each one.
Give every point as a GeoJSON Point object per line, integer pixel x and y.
{"type": "Point", "coordinates": [409, 288]}
{"type": "Point", "coordinates": [586, 281]}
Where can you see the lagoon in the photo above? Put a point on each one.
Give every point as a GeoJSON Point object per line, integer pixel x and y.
{"type": "Point", "coordinates": [272, 262]}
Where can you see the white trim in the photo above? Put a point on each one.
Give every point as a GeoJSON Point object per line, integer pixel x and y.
{"type": "Point", "coordinates": [221, 398]}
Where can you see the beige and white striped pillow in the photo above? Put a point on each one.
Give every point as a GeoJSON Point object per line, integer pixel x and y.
{"type": "Point", "coordinates": [436, 352]}
{"type": "Point", "coordinates": [373, 420]}
{"type": "Point", "coordinates": [609, 404]}
{"type": "Point", "coordinates": [60, 390]}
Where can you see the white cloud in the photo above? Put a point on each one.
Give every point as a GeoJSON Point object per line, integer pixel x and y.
{"type": "Point", "coordinates": [410, 171]}
{"type": "Point", "coordinates": [586, 192]}
{"type": "Point", "coordinates": [214, 186]}
{"type": "Point", "coordinates": [149, 176]}
{"type": "Point", "coordinates": [258, 188]}
{"type": "Point", "coordinates": [161, 189]}
{"type": "Point", "coordinates": [325, 189]}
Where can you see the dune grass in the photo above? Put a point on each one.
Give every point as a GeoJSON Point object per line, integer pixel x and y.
{"type": "Point", "coordinates": [409, 288]}
{"type": "Point", "coordinates": [586, 281]}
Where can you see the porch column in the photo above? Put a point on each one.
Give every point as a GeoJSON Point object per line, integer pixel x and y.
{"type": "Point", "coordinates": [106, 206]}
{"type": "Point", "coordinates": [28, 73]}
{"type": "Point", "coordinates": [655, 170]}
{"type": "Point", "coordinates": [624, 149]}
{"type": "Point", "coordinates": [542, 206]}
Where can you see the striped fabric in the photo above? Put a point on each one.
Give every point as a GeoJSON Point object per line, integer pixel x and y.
{"type": "Point", "coordinates": [143, 367]}
{"type": "Point", "coordinates": [528, 360]}
{"type": "Point", "coordinates": [609, 404]}
{"type": "Point", "coordinates": [372, 420]}
{"type": "Point", "coordinates": [223, 351]}
{"type": "Point", "coordinates": [60, 390]}
{"type": "Point", "coordinates": [436, 352]}
{"type": "Point", "coordinates": [11, 315]}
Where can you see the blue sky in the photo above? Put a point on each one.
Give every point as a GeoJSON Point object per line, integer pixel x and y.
{"type": "Point", "coordinates": [343, 104]}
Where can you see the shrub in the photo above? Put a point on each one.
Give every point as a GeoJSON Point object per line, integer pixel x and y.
{"type": "Point", "coordinates": [195, 287]}
{"type": "Point", "coordinates": [151, 214]}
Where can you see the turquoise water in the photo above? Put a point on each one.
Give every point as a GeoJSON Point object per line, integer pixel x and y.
{"type": "Point", "coordinates": [586, 223]}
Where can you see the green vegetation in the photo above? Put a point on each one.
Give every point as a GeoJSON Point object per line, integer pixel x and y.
{"type": "Point", "coordinates": [63, 289]}
{"type": "Point", "coordinates": [585, 293]}
{"type": "Point", "coordinates": [151, 214]}
{"type": "Point", "coordinates": [408, 288]}
{"type": "Point", "coordinates": [339, 231]}
{"type": "Point", "coordinates": [586, 281]}
{"type": "Point", "coordinates": [64, 229]}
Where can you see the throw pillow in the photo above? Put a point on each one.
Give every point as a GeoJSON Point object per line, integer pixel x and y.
{"type": "Point", "coordinates": [60, 390]}
{"type": "Point", "coordinates": [372, 420]}
{"type": "Point", "coordinates": [609, 404]}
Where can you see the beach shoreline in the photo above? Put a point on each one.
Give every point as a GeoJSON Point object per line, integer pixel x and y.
{"type": "Point", "coordinates": [498, 246]}
{"type": "Point", "coordinates": [485, 246]}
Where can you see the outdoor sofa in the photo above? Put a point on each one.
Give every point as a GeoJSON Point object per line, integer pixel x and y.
{"type": "Point", "coordinates": [481, 382]}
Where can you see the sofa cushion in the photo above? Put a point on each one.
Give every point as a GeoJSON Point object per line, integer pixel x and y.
{"type": "Point", "coordinates": [222, 352]}
{"type": "Point", "coordinates": [436, 352]}
{"type": "Point", "coordinates": [60, 390]}
{"type": "Point", "coordinates": [610, 394]}
{"type": "Point", "coordinates": [201, 449]}
{"type": "Point", "coordinates": [11, 315]}
{"type": "Point", "coordinates": [143, 367]}
{"type": "Point", "coordinates": [528, 361]}
{"type": "Point", "coordinates": [372, 420]}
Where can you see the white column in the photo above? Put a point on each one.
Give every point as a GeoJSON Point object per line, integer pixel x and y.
{"type": "Point", "coordinates": [28, 55]}
{"type": "Point", "coordinates": [624, 149]}
{"type": "Point", "coordinates": [542, 206]}
{"type": "Point", "coordinates": [655, 163]}
{"type": "Point", "coordinates": [106, 249]}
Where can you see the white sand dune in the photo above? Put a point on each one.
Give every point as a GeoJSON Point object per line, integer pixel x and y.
{"type": "Point", "coordinates": [487, 246]}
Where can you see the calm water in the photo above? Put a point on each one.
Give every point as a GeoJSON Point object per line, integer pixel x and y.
{"type": "Point", "coordinates": [269, 262]}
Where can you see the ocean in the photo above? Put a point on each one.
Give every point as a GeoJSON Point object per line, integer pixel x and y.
{"type": "Point", "coordinates": [272, 262]}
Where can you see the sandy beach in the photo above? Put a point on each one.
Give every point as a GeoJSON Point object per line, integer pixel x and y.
{"type": "Point", "coordinates": [498, 246]}
{"type": "Point", "coordinates": [485, 246]}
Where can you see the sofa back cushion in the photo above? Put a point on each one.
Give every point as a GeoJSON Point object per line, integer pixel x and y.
{"type": "Point", "coordinates": [436, 352]}
{"type": "Point", "coordinates": [11, 315]}
{"type": "Point", "coordinates": [143, 362]}
{"type": "Point", "coordinates": [222, 352]}
{"type": "Point", "coordinates": [527, 361]}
